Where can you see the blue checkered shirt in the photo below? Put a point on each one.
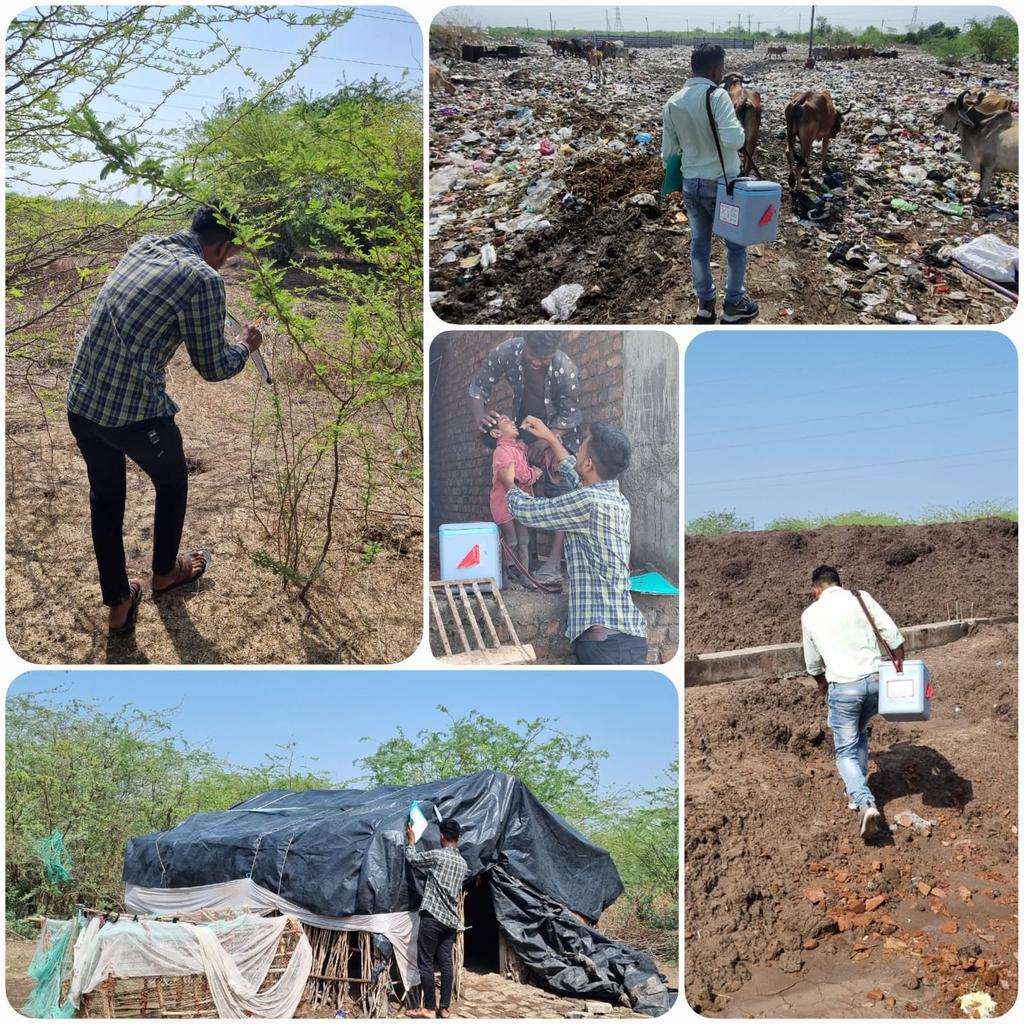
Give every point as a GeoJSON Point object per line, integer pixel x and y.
{"type": "Point", "coordinates": [161, 294]}
{"type": "Point", "coordinates": [446, 871]}
{"type": "Point", "coordinates": [596, 524]}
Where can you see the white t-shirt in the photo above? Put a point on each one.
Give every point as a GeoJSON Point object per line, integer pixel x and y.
{"type": "Point", "coordinates": [839, 639]}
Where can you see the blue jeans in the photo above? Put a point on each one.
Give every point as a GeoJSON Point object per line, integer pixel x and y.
{"type": "Point", "coordinates": [618, 649]}
{"type": "Point", "coordinates": [699, 197]}
{"type": "Point", "coordinates": [850, 707]}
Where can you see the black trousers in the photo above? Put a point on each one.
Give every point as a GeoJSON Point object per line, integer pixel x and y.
{"type": "Point", "coordinates": [617, 649]}
{"type": "Point", "coordinates": [155, 447]}
{"type": "Point", "coordinates": [434, 946]}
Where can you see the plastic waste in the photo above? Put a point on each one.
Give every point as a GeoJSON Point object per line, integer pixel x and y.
{"type": "Point", "coordinates": [903, 205]}
{"type": "Point", "coordinates": [955, 209]}
{"type": "Point", "coordinates": [547, 147]}
{"type": "Point", "coordinates": [978, 1005]}
{"type": "Point", "coordinates": [561, 303]}
{"type": "Point", "coordinates": [914, 173]}
{"type": "Point", "coordinates": [644, 138]}
{"type": "Point", "coordinates": [488, 255]}
{"type": "Point", "coordinates": [989, 256]}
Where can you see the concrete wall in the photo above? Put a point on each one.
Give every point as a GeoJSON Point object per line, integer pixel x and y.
{"type": "Point", "coordinates": [651, 419]}
{"type": "Point", "coordinates": [612, 363]}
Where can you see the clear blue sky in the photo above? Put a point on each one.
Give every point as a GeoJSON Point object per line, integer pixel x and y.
{"type": "Point", "coordinates": [813, 423]}
{"type": "Point", "coordinates": [674, 18]}
{"type": "Point", "coordinates": [241, 715]}
{"type": "Point", "coordinates": [382, 41]}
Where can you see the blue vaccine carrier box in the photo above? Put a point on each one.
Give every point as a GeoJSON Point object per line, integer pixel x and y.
{"type": "Point", "coordinates": [749, 215]}
{"type": "Point", "coordinates": [470, 551]}
{"type": "Point", "coordinates": [905, 696]}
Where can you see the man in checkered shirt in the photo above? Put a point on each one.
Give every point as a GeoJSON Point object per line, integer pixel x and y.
{"type": "Point", "coordinates": [165, 291]}
{"type": "Point", "coordinates": [603, 624]}
{"type": "Point", "coordinates": [546, 384]}
{"type": "Point", "coordinates": [439, 914]}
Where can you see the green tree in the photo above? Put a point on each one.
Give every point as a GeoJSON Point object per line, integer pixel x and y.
{"type": "Point", "coordinates": [714, 524]}
{"type": "Point", "coordinates": [561, 768]}
{"type": "Point", "coordinates": [100, 777]}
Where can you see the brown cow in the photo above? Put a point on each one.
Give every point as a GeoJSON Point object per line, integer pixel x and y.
{"type": "Point", "coordinates": [810, 117]}
{"type": "Point", "coordinates": [595, 58]}
{"type": "Point", "coordinates": [776, 50]}
{"type": "Point", "coordinates": [983, 102]}
{"type": "Point", "coordinates": [747, 104]}
{"type": "Point", "coordinates": [439, 81]}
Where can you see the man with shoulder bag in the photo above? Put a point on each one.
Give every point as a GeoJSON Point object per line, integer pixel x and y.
{"type": "Point", "coordinates": [841, 634]}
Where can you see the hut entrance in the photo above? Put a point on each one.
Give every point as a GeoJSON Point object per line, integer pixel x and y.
{"type": "Point", "coordinates": [481, 941]}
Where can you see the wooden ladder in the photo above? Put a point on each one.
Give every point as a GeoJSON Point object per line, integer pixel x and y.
{"type": "Point", "coordinates": [475, 649]}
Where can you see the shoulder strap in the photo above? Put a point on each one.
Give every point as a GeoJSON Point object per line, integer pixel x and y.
{"type": "Point", "coordinates": [881, 639]}
{"type": "Point", "coordinates": [714, 134]}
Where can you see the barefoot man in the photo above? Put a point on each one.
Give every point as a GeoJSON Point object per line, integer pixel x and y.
{"type": "Point", "coordinates": [546, 385]}
{"type": "Point", "coordinates": [165, 291]}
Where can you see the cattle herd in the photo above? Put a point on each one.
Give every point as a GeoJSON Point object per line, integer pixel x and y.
{"type": "Point", "coordinates": [984, 121]}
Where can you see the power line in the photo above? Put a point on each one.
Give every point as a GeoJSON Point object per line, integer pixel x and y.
{"type": "Point", "coordinates": [877, 428]}
{"type": "Point", "coordinates": [732, 481]}
{"type": "Point", "coordinates": [293, 53]}
{"type": "Point", "coordinates": [850, 416]}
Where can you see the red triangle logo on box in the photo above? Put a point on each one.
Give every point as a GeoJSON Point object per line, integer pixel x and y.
{"type": "Point", "coordinates": [472, 558]}
{"type": "Point", "coordinates": [928, 692]}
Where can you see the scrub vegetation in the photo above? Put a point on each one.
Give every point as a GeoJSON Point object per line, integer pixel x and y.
{"type": "Point", "coordinates": [312, 471]}
{"type": "Point", "coordinates": [716, 524]}
{"type": "Point", "coordinates": [94, 777]}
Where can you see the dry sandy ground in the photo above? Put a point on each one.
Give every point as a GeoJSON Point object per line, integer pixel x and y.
{"type": "Point", "coordinates": [237, 614]}
{"type": "Point", "coordinates": [484, 995]}
{"type": "Point", "coordinates": [789, 913]}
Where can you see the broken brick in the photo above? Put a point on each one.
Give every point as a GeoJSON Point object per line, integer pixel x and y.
{"type": "Point", "coordinates": [874, 903]}
{"type": "Point", "coordinates": [875, 994]}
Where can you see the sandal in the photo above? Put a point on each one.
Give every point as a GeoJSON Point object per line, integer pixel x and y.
{"type": "Point", "coordinates": [443, 1014]}
{"type": "Point", "coordinates": [184, 564]}
{"type": "Point", "coordinates": [128, 626]}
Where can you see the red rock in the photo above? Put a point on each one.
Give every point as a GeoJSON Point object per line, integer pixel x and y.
{"type": "Point", "coordinates": [949, 927]}
{"type": "Point", "coordinates": [810, 943]}
{"type": "Point", "coordinates": [875, 994]}
{"type": "Point", "coordinates": [941, 893]}
{"type": "Point", "coordinates": [923, 888]}
{"type": "Point", "coordinates": [875, 902]}
{"type": "Point", "coordinates": [815, 895]}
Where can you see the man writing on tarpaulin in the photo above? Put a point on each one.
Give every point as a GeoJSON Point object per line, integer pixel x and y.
{"type": "Point", "coordinates": [603, 624]}
{"type": "Point", "coordinates": [439, 914]}
{"type": "Point", "coordinates": [687, 134]}
{"type": "Point", "coordinates": [165, 291]}
{"type": "Point", "coordinates": [841, 653]}
{"type": "Point", "coordinates": [546, 386]}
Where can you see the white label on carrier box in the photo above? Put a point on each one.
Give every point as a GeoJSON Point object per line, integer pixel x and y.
{"type": "Point", "coordinates": [729, 213]}
{"type": "Point", "coordinates": [899, 688]}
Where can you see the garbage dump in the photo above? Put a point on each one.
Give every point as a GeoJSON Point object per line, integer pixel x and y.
{"type": "Point", "coordinates": [545, 204]}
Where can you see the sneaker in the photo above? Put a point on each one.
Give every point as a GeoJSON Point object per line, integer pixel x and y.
{"type": "Point", "coordinates": [705, 312]}
{"type": "Point", "coordinates": [870, 822]}
{"type": "Point", "coordinates": [741, 312]}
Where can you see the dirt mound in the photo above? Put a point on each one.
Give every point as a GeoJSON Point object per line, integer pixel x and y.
{"type": "Point", "coordinates": [778, 887]}
{"type": "Point", "coordinates": [748, 589]}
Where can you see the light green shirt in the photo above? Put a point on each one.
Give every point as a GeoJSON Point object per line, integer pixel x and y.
{"type": "Point", "coordinates": [839, 639]}
{"type": "Point", "coordinates": [685, 130]}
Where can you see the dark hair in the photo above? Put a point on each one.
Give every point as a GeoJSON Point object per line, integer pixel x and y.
{"type": "Point", "coordinates": [705, 57]}
{"type": "Point", "coordinates": [450, 829]}
{"type": "Point", "coordinates": [542, 343]}
{"type": "Point", "coordinates": [609, 448]}
{"type": "Point", "coordinates": [825, 574]}
{"type": "Point", "coordinates": [212, 224]}
{"type": "Point", "coordinates": [488, 441]}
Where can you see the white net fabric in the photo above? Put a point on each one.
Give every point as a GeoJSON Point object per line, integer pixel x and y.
{"type": "Point", "coordinates": [234, 955]}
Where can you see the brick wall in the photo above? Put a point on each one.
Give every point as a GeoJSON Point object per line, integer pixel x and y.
{"type": "Point", "coordinates": [538, 619]}
{"type": "Point", "coordinates": [460, 466]}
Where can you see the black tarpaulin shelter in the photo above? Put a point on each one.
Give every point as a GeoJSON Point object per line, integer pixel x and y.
{"type": "Point", "coordinates": [338, 853]}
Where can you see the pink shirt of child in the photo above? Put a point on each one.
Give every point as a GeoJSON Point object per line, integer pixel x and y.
{"type": "Point", "coordinates": [510, 452]}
